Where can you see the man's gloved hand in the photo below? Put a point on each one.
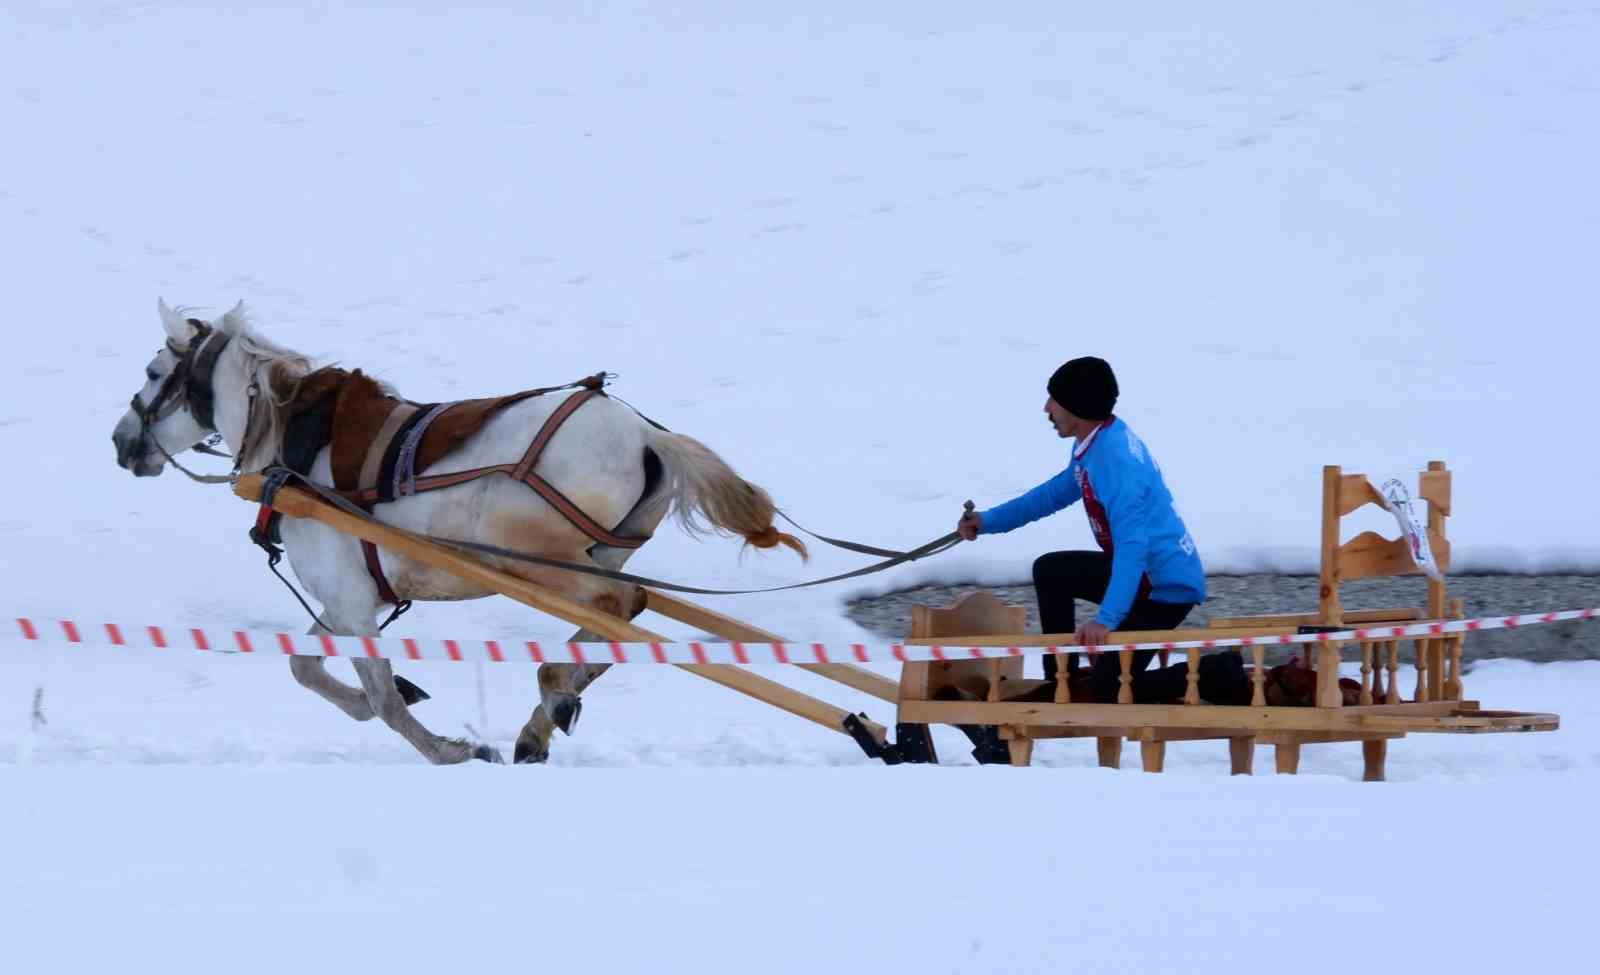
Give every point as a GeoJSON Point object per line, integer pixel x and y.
{"type": "Point", "coordinates": [970, 524]}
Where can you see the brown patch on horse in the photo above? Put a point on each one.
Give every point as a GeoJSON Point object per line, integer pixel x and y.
{"type": "Point", "coordinates": [357, 419]}
{"type": "Point", "coordinates": [362, 408]}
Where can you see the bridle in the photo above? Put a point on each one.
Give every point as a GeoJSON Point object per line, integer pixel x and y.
{"type": "Point", "coordinates": [191, 384]}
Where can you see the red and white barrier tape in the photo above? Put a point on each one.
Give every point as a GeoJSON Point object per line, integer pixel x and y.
{"type": "Point", "coordinates": [507, 651]}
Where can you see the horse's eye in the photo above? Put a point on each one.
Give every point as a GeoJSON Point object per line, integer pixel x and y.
{"type": "Point", "coordinates": [152, 375]}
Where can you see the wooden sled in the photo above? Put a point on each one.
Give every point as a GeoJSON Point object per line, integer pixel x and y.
{"type": "Point", "coordinates": [985, 692]}
{"type": "Point", "coordinates": [912, 744]}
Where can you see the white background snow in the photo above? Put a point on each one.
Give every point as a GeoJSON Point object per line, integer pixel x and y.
{"type": "Point", "coordinates": [845, 244]}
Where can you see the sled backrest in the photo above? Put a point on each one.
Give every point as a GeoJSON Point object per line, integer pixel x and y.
{"type": "Point", "coordinates": [1370, 555]}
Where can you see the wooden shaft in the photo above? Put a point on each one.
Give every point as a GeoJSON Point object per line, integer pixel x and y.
{"type": "Point", "coordinates": [1191, 694]}
{"type": "Point", "coordinates": [1421, 647]}
{"type": "Point", "coordinates": [1258, 678]}
{"type": "Point", "coordinates": [1366, 672]}
{"type": "Point", "coordinates": [296, 502]}
{"type": "Point", "coordinates": [780, 696]}
{"type": "Point", "coordinates": [1125, 690]}
{"type": "Point", "coordinates": [1394, 672]}
{"type": "Point", "coordinates": [1063, 690]}
{"type": "Point", "coordinates": [729, 628]}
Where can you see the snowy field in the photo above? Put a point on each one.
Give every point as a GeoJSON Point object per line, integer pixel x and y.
{"type": "Point", "coordinates": [844, 244]}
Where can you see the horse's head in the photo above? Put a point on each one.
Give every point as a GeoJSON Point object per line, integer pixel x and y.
{"type": "Point", "coordinates": [174, 410]}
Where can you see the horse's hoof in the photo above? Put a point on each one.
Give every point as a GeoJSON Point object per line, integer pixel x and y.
{"type": "Point", "coordinates": [487, 753]}
{"type": "Point", "coordinates": [530, 753]}
{"type": "Point", "coordinates": [409, 692]}
{"type": "Point", "coordinates": [565, 713]}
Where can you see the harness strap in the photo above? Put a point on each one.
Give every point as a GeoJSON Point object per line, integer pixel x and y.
{"type": "Point", "coordinates": [374, 461]}
{"type": "Point", "coordinates": [405, 465]}
{"type": "Point", "coordinates": [521, 471]}
{"type": "Point", "coordinates": [551, 424]}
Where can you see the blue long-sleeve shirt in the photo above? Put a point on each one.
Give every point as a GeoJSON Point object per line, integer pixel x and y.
{"type": "Point", "coordinates": [1131, 514]}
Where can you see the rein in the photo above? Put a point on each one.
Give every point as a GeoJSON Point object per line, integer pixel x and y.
{"type": "Point", "coordinates": [278, 477]}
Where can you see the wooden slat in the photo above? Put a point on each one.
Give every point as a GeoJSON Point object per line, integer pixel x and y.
{"type": "Point", "coordinates": [1369, 554]}
{"type": "Point", "coordinates": [1045, 715]}
{"type": "Point", "coordinates": [1355, 493]}
{"type": "Point", "coordinates": [976, 612]}
{"type": "Point", "coordinates": [1464, 723]}
{"type": "Point", "coordinates": [1121, 636]}
{"type": "Point", "coordinates": [1288, 620]}
{"type": "Point", "coordinates": [1326, 737]}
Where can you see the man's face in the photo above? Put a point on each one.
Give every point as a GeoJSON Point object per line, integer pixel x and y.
{"type": "Point", "coordinates": [1065, 423]}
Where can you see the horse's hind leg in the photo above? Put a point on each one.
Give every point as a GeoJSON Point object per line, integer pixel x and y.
{"type": "Point", "coordinates": [564, 683]}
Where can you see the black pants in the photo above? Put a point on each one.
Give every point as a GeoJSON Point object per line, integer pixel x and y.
{"type": "Point", "coordinates": [1059, 578]}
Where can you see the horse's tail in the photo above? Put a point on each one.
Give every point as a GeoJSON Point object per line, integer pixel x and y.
{"type": "Point", "coordinates": [703, 488]}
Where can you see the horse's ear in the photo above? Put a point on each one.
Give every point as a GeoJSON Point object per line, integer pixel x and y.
{"type": "Point", "coordinates": [234, 319]}
{"type": "Point", "coordinates": [178, 328]}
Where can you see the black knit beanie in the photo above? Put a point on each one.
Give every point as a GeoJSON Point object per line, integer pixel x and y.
{"type": "Point", "coordinates": [1085, 387]}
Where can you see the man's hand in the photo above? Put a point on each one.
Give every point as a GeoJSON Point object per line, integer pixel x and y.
{"type": "Point", "coordinates": [970, 524]}
{"type": "Point", "coordinates": [1093, 634]}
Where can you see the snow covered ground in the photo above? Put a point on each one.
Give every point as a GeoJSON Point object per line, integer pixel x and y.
{"type": "Point", "coordinates": [845, 244]}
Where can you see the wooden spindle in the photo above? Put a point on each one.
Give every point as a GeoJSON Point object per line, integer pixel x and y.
{"type": "Point", "coordinates": [1328, 694]}
{"type": "Point", "coordinates": [1125, 692]}
{"type": "Point", "coordinates": [1063, 691]}
{"type": "Point", "coordinates": [1394, 672]}
{"type": "Point", "coordinates": [1366, 672]}
{"type": "Point", "coordinates": [1191, 694]}
{"type": "Point", "coordinates": [1452, 684]}
{"type": "Point", "coordinates": [1422, 649]}
{"type": "Point", "coordinates": [1258, 679]}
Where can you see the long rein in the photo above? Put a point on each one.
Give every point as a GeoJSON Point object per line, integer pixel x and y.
{"type": "Point", "coordinates": [279, 476]}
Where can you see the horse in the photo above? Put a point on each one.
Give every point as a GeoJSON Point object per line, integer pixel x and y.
{"type": "Point", "coordinates": [621, 471]}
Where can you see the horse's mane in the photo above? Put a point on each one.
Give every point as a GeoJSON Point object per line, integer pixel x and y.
{"type": "Point", "coordinates": [278, 372]}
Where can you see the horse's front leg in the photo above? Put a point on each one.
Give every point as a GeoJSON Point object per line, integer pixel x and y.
{"type": "Point", "coordinates": [388, 701]}
{"type": "Point", "coordinates": [559, 688]}
{"type": "Point", "coordinates": [312, 672]}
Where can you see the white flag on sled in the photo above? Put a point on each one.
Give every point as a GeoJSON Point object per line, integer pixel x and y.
{"type": "Point", "coordinates": [1397, 498]}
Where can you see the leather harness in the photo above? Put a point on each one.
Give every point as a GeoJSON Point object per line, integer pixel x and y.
{"type": "Point", "coordinates": [381, 445]}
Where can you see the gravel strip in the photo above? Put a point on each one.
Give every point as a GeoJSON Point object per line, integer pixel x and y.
{"type": "Point", "coordinates": [889, 616]}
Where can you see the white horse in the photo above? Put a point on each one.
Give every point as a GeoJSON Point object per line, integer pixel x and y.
{"type": "Point", "coordinates": [222, 377]}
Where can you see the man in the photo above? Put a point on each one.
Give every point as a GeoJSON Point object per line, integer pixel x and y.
{"type": "Point", "coordinates": [1147, 575]}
